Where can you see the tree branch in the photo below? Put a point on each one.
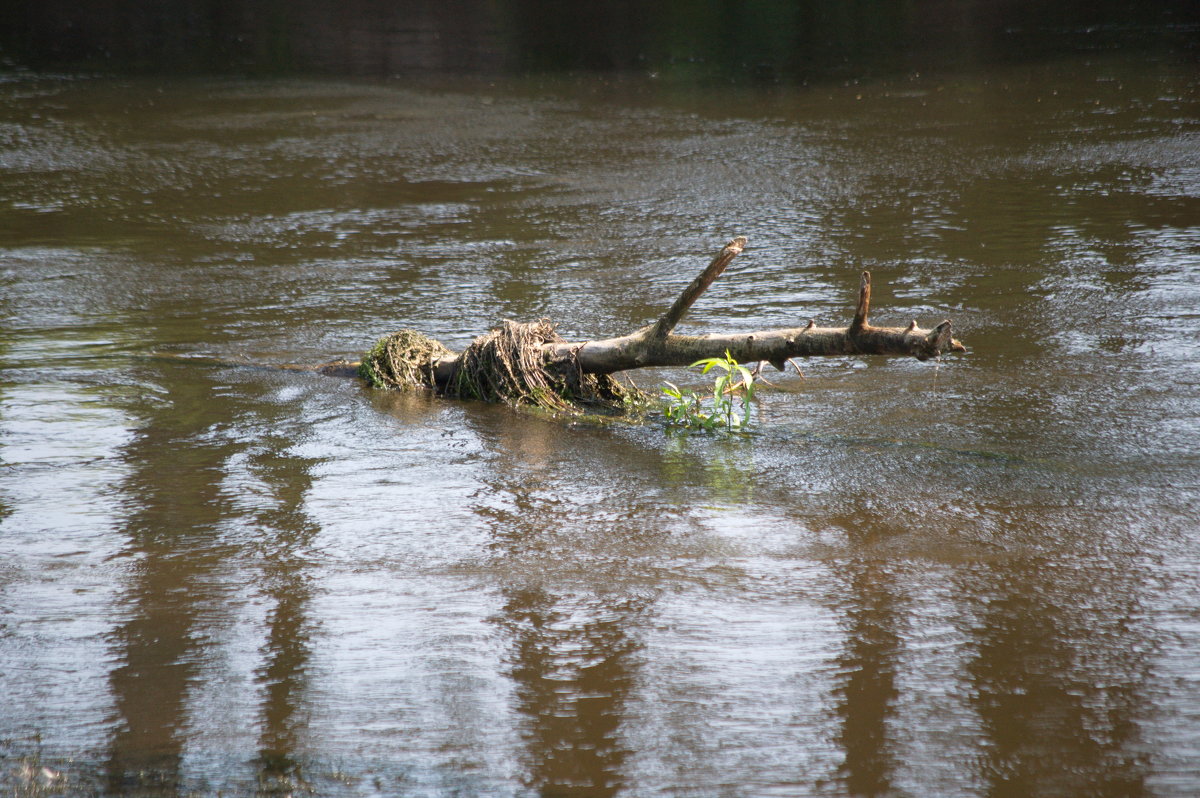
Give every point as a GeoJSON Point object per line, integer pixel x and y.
{"type": "Point", "coordinates": [656, 345]}
{"type": "Point", "coordinates": [663, 327]}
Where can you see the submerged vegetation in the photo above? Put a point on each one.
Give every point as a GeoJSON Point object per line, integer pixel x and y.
{"type": "Point", "coordinates": [727, 409]}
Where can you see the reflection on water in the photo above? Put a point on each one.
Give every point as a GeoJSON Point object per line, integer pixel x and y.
{"type": "Point", "coordinates": [286, 649]}
{"type": "Point", "coordinates": [574, 653]}
{"type": "Point", "coordinates": [972, 577]}
{"type": "Point", "coordinates": [573, 664]}
{"type": "Point", "coordinates": [174, 538]}
{"type": "Point", "coordinates": [1055, 677]}
{"type": "Point", "coordinates": [727, 468]}
{"type": "Point", "coordinates": [868, 669]}
{"type": "Point", "coordinates": [178, 470]}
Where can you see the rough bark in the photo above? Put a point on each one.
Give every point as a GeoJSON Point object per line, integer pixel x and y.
{"type": "Point", "coordinates": [657, 345]}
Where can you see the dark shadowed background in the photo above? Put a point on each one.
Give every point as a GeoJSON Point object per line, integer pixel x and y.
{"type": "Point", "coordinates": [752, 39]}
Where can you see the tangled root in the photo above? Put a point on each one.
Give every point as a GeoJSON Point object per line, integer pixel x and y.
{"type": "Point", "coordinates": [506, 365]}
{"type": "Point", "coordinates": [404, 359]}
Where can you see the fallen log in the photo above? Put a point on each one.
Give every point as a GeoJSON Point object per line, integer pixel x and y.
{"type": "Point", "coordinates": [531, 364]}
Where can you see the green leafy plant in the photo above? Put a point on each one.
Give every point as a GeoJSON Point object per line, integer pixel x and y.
{"type": "Point", "coordinates": [728, 408]}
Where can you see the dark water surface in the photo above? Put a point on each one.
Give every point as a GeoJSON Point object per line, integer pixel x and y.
{"type": "Point", "coordinates": [979, 577]}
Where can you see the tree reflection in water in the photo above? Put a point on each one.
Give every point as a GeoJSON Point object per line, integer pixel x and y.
{"type": "Point", "coordinates": [574, 665]}
{"type": "Point", "coordinates": [867, 691]}
{"type": "Point", "coordinates": [574, 633]}
{"type": "Point", "coordinates": [286, 653]}
{"type": "Point", "coordinates": [176, 468]}
{"type": "Point", "coordinates": [180, 461]}
{"type": "Point", "coordinates": [1057, 669]}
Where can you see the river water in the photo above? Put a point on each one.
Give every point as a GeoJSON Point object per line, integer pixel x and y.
{"type": "Point", "coordinates": [978, 576]}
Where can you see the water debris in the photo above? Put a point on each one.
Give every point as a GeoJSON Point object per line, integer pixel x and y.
{"type": "Point", "coordinates": [403, 359]}
{"type": "Point", "coordinates": [530, 364]}
{"type": "Point", "coordinates": [510, 364]}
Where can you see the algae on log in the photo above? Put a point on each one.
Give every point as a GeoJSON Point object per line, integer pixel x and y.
{"type": "Point", "coordinates": [656, 345]}
{"type": "Point", "coordinates": [530, 364]}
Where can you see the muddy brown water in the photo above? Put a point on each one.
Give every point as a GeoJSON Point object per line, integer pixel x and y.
{"type": "Point", "coordinates": [978, 577]}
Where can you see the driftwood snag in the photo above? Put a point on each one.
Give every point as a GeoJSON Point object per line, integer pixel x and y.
{"type": "Point", "coordinates": [548, 371]}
